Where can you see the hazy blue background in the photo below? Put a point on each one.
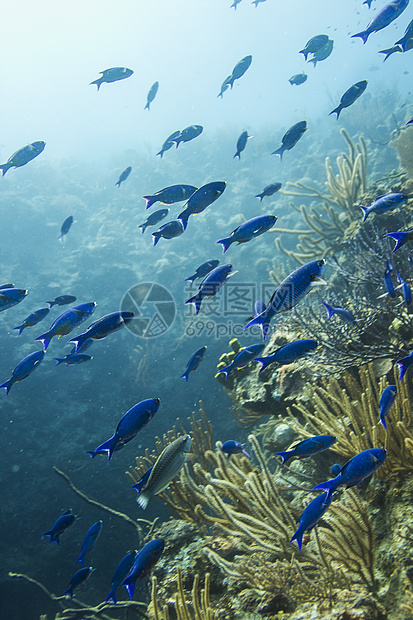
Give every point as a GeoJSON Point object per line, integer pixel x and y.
{"type": "Point", "coordinates": [51, 50]}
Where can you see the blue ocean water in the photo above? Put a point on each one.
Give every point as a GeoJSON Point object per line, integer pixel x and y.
{"type": "Point", "coordinates": [56, 414]}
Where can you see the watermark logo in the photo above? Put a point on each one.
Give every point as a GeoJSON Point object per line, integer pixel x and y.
{"type": "Point", "coordinates": [154, 309]}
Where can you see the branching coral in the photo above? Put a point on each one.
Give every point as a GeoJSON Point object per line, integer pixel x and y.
{"type": "Point", "coordinates": [347, 407]}
{"type": "Point", "coordinates": [195, 606]}
{"type": "Point", "coordinates": [327, 224]}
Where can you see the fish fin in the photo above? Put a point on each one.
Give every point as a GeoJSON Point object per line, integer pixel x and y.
{"type": "Point", "coordinates": [185, 376]}
{"type": "Point", "coordinates": [143, 227]}
{"type": "Point", "coordinates": [129, 584]}
{"type": "Point", "coordinates": [156, 238]}
{"type": "Point", "coordinates": [4, 168]}
{"type": "Point", "coordinates": [224, 371]}
{"type": "Point", "coordinates": [279, 152]}
{"type": "Point", "coordinates": [336, 110]}
{"type": "Point", "coordinates": [81, 559]}
{"type": "Point", "coordinates": [383, 421]}
{"type": "Point", "coordinates": [329, 309]}
{"type": "Point", "coordinates": [365, 212]}
{"type": "Point", "coordinates": [237, 154]}
{"type": "Point", "coordinates": [143, 500]}
{"type": "Point", "coordinates": [59, 360]}
{"type": "Point", "coordinates": [195, 300]}
{"type": "Point", "coordinates": [403, 367]}
{"type": "Point", "coordinates": [112, 596]}
{"type": "Point", "coordinates": [7, 385]}
{"type": "Point", "coordinates": [44, 339]}
{"type": "Point", "coordinates": [298, 536]}
{"type": "Point", "coordinates": [226, 242]}
{"type": "Point", "coordinates": [20, 328]}
{"type": "Point", "coordinates": [362, 35]}
{"type": "Point", "coordinates": [330, 486]}
{"type": "Point", "coordinates": [286, 456]}
{"type": "Point", "coordinates": [91, 453]}
{"type": "Point", "coordinates": [149, 199]}
{"type": "Point", "coordinates": [400, 238]}
{"type": "Point", "coordinates": [264, 361]}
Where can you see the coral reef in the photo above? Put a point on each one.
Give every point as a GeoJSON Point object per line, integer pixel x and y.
{"type": "Point", "coordinates": [403, 144]}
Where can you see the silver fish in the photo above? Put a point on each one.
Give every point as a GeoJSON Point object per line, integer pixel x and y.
{"type": "Point", "coordinates": [166, 467]}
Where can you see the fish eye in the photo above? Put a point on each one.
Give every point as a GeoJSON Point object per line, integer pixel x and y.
{"type": "Point", "coordinates": [321, 262]}
{"type": "Point", "coordinates": [229, 266]}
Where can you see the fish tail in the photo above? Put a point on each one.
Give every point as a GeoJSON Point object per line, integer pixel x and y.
{"type": "Point", "coordinates": [81, 559]}
{"type": "Point", "coordinates": [147, 107]}
{"type": "Point", "coordinates": [403, 364]}
{"type": "Point", "coordinates": [149, 199]}
{"type": "Point", "coordinates": [196, 299]}
{"type": "Point", "coordinates": [298, 536]}
{"type": "Point", "coordinates": [183, 217]}
{"type": "Point", "coordinates": [260, 196]}
{"type": "Point", "coordinates": [143, 227]}
{"type": "Point", "coordinates": [112, 596]}
{"type": "Point", "coordinates": [59, 360]}
{"type": "Point", "coordinates": [237, 154]}
{"type": "Point", "coordinates": [185, 376]}
{"type": "Point", "coordinates": [365, 212]}
{"type": "Point", "coordinates": [98, 82]}
{"type": "Point", "coordinates": [400, 239]}
{"type": "Point", "coordinates": [117, 183]}
{"type": "Point", "coordinates": [156, 236]}
{"type": "Point", "coordinates": [7, 385]}
{"type": "Point", "coordinates": [91, 453]}
{"type": "Point", "coordinates": [330, 486]}
{"type": "Point", "coordinates": [20, 328]}
{"type": "Point", "coordinates": [329, 309]}
{"type": "Point", "coordinates": [279, 152]}
{"type": "Point", "coordinates": [142, 499]}
{"type": "Point", "coordinates": [4, 168]}
{"type": "Point", "coordinates": [286, 456]}
{"type": "Point", "coordinates": [262, 360]}
{"type": "Point", "coordinates": [129, 584]}
{"type": "Point", "coordinates": [44, 339]}
{"type": "Point", "coordinates": [313, 60]}
{"type": "Point", "coordinates": [383, 421]}
{"type": "Point", "coordinates": [51, 303]}
{"type": "Point", "coordinates": [225, 371]}
{"type": "Point", "coordinates": [337, 110]}
{"type": "Point", "coordinates": [52, 537]}
{"type": "Point", "coordinates": [190, 279]}
{"type": "Point", "coordinates": [69, 592]}
{"type": "Point", "coordinates": [363, 35]}
{"type": "Point", "coordinates": [305, 54]}
{"type": "Point", "coordinates": [226, 242]}
{"type": "Point", "coordinates": [78, 341]}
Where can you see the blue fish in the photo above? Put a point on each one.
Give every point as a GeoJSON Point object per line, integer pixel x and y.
{"type": "Point", "coordinates": [66, 226]}
{"type": "Point", "coordinates": [241, 143]}
{"type": "Point", "coordinates": [203, 270]}
{"type": "Point", "coordinates": [291, 290]}
{"type": "Point", "coordinates": [383, 18]}
{"type": "Point", "coordinates": [171, 194]}
{"type": "Point", "coordinates": [288, 353]}
{"type": "Point", "coordinates": [123, 568]}
{"type": "Point", "coordinates": [23, 156]}
{"type": "Point", "coordinates": [33, 318]}
{"type": "Point", "coordinates": [194, 362]}
{"type": "Point", "coordinates": [168, 231]}
{"type": "Point", "coordinates": [166, 467]}
{"type": "Point", "coordinates": [62, 300]}
{"type": "Point", "coordinates": [187, 134]}
{"type": "Point", "coordinates": [311, 516]}
{"type": "Point", "coordinates": [114, 74]}
{"type": "Point", "coordinates": [124, 176]}
{"type": "Point", "coordinates": [242, 359]}
{"type": "Point", "coordinates": [404, 364]}
{"type": "Point", "coordinates": [350, 96]}
{"type": "Point", "coordinates": [154, 218]}
{"type": "Point", "coordinates": [201, 199]}
{"type": "Point", "coordinates": [388, 282]}
{"type": "Point", "coordinates": [248, 230]}
{"type": "Point", "coordinates": [387, 398]}
{"type": "Point", "coordinates": [10, 297]}
{"type": "Point", "coordinates": [342, 313]}
{"type": "Point", "coordinates": [73, 359]}
{"type": "Point", "coordinates": [168, 144]}
{"type": "Point", "coordinates": [129, 425]}
{"type": "Point", "coordinates": [290, 138]}
{"type": "Point", "coordinates": [406, 39]}
{"type": "Point", "coordinates": [239, 70]}
{"type": "Point", "coordinates": [355, 470]}
{"type": "Point", "coordinates": [410, 122]}
{"type": "Point", "coordinates": [315, 44]}
{"type": "Point", "coordinates": [77, 580]}
{"type": "Point", "coordinates": [233, 447]}
{"type": "Point", "coordinates": [23, 369]}
{"type": "Point", "coordinates": [144, 563]}
{"type": "Point", "coordinates": [66, 322]}
{"type": "Point", "coordinates": [385, 203]}
{"type": "Point", "coordinates": [89, 540]}
{"type": "Point", "coordinates": [151, 95]}
{"type": "Point", "coordinates": [298, 79]}
{"type": "Point", "coordinates": [406, 292]}
{"type": "Point", "coordinates": [269, 190]}
{"type": "Point", "coordinates": [104, 326]}
{"type": "Point", "coordinates": [308, 447]}
{"type": "Point", "coordinates": [400, 238]}
{"type": "Point", "coordinates": [60, 525]}
{"type": "Point", "coordinates": [210, 285]}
